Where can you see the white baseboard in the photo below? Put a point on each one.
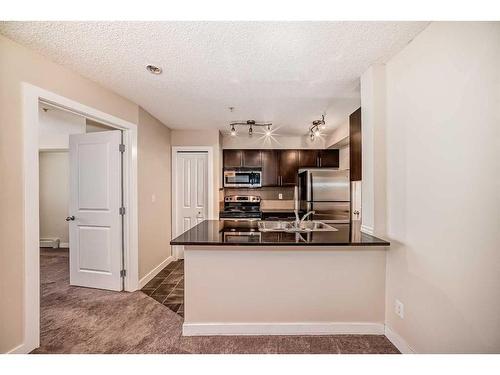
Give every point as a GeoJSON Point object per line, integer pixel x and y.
{"type": "Point", "coordinates": [320, 328]}
{"type": "Point", "coordinates": [155, 271]}
{"type": "Point", "coordinates": [398, 341]}
{"type": "Point", "coordinates": [366, 229]}
{"type": "Point", "coordinates": [64, 244]}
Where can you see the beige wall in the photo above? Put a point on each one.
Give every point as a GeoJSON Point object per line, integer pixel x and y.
{"type": "Point", "coordinates": [339, 134]}
{"type": "Point", "coordinates": [55, 127]}
{"type": "Point", "coordinates": [154, 180]}
{"type": "Point", "coordinates": [443, 182]}
{"type": "Point", "coordinates": [285, 285]}
{"type": "Point", "coordinates": [210, 138]}
{"type": "Point", "coordinates": [54, 195]}
{"type": "Point", "coordinates": [19, 64]}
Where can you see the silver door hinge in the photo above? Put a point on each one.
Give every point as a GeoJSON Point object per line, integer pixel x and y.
{"type": "Point", "coordinates": [122, 147]}
{"type": "Point", "coordinates": [123, 273]}
{"type": "Point", "coordinates": [122, 211]}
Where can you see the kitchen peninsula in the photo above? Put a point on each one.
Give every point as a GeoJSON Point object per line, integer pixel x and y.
{"type": "Point", "coordinates": [239, 280]}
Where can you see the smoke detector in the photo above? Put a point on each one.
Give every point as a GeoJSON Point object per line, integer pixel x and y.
{"type": "Point", "coordinates": [153, 69]}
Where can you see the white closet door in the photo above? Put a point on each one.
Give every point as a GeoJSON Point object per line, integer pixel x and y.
{"type": "Point", "coordinates": [192, 190]}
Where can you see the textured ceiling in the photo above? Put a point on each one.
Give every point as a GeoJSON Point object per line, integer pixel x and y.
{"type": "Point", "coordinates": [285, 72]}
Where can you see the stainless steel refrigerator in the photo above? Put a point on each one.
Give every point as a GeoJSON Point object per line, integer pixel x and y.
{"type": "Point", "coordinates": [327, 192]}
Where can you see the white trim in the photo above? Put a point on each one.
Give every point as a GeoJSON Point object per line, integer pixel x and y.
{"type": "Point", "coordinates": [398, 341]}
{"type": "Point", "coordinates": [176, 250]}
{"type": "Point", "coordinates": [31, 97]}
{"type": "Point", "coordinates": [64, 244]}
{"type": "Point", "coordinates": [306, 328]}
{"type": "Point", "coordinates": [155, 271]}
{"type": "Point", "coordinates": [367, 229]}
{"type": "Point", "coordinates": [20, 349]}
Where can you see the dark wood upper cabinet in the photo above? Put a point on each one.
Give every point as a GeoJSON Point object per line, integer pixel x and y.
{"type": "Point", "coordinates": [329, 158]}
{"type": "Point", "coordinates": [288, 166]}
{"type": "Point", "coordinates": [270, 160]}
{"type": "Point", "coordinates": [232, 158]}
{"type": "Point", "coordinates": [355, 145]}
{"type": "Point", "coordinates": [252, 158]}
{"type": "Point", "coordinates": [280, 167]}
{"type": "Point", "coordinates": [308, 158]}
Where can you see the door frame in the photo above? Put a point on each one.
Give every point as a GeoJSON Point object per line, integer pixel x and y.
{"type": "Point", "coordinates": [31, 96]}
{"type": "Point", "coordinates": [210, 181]}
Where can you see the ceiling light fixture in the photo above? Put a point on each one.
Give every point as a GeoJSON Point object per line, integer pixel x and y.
{"type": "Point", "coordinates": [251, 124]}
{"type": "Point", "coordinates": [317, 126]}
{"type": "Point", "coordinates": [153, 69]}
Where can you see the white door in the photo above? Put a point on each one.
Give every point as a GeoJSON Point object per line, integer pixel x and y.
{"type": "Point", "coordinates": [95, 230]}
{"type": "Point", "coordinates": [191, 190]}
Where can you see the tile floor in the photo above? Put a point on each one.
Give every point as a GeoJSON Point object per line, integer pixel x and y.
{"type": "Point", "coordinates": [168, 287]}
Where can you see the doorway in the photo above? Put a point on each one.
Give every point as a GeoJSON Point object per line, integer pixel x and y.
{"type": "Point", "coordinates": [32, 97]}
{"type": "Point", "coordinates": [192, 189]}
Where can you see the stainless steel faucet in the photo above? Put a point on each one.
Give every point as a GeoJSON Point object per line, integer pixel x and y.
{"type": "Point", "coordinates": [306, 215]}
{"type": "Point", "coordinates": [299, 221]}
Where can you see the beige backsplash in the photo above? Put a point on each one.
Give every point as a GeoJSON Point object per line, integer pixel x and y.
{"type": "Point", "coordinates": [271, 204]}
{"type": "Point", "coordinates": [267, 193]}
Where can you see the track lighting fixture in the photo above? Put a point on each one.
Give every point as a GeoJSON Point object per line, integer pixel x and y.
{"type": "Point", "coordinates": [317, 126]}
{"type": "Point", "coordinates": [251, 124]}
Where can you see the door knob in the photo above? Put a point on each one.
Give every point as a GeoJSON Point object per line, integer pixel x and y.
{"type": "Point", "coordinates": [70, 218]}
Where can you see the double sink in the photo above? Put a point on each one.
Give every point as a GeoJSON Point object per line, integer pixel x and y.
{"type": "Point", "coordinates": [295, 227]}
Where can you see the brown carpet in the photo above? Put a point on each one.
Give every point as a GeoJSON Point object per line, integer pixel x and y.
{"type": "Point", "coordinates": [83, 320]}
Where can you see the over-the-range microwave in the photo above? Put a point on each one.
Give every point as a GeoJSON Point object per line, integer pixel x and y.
{"type": "Point", "coordinates": [243, 178]}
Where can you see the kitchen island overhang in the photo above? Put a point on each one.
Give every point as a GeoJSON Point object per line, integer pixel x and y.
{"type": "Point", "coordinates": [279, 287]}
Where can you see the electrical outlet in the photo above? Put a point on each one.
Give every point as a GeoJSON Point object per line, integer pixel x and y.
{"type": "Point", "coordinates": [280, 196]}
{"type": "Point", "coordinates": [399, 308]}
{"type": "Point", "coordinates": [153, 198]}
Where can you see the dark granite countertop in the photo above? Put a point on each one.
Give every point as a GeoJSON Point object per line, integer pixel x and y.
{"type": "Point", "coordinates": [245, 233]}
{"type": "Point", "coordinates": [278, 210]}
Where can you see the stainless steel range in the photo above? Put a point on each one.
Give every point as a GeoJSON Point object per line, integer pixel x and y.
{"type": "Point", "coordinates": [241, 207]}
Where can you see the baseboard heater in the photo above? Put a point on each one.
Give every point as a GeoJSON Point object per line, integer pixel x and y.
{"type": "Point", "coordinates": [50, 242]}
